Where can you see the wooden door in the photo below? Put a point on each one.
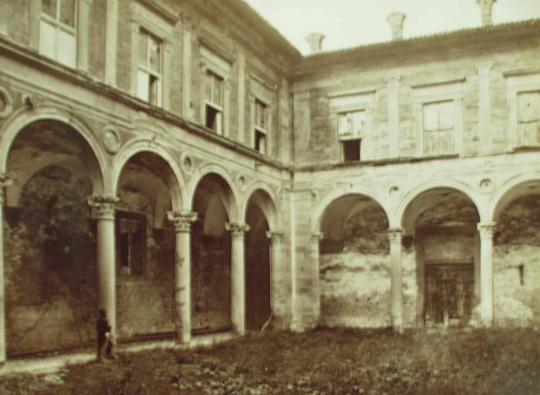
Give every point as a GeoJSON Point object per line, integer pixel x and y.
{"type": "Point", "coordinates": [449, 294]}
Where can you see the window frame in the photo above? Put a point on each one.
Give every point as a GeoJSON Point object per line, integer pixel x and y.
{"type": "Point", "coordinates": [215, 62]}
{"type": "Point", "coordinates": [58, 26]}
{"type": "Point", "coordinates": [518, 83]}
{"type": "Point", "coordinates": [350, 102]}
{"type": "Point", "coordinates": [439, 92]}
{"type": "Point", "coordinates": [210, 103]}
{"type": "Point", "coordinates": [143, 221]}
{"type": "Point", "coordinates": [257, 129]}
{"type": "Point", "coordinates": [146, 68]}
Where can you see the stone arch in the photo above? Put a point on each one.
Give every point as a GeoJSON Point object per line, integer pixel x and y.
{"type": "Point", "coordinates": [23, 118]}
{"type": "Point", "coordinates": [232, 199]}
{"type": "Point", "coordinates": [512, 189]}
{"type": "Point", "coordinates": [397, 218]}
{"type": "Point", "coordinates": [265, 199]}
{"type": "Point", "coordinates": [320, 209]}
{"type": "Point", "coordinates": [139, 146]}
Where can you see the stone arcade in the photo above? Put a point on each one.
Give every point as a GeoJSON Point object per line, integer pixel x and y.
{"type": "Point", "coordinates": [179, 164]}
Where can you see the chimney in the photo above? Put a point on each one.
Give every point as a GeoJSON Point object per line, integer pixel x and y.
{"type": "Point", "coordinates": [315, 41]}
{"type": "Point", "coordinates": [486, 6]}
{"type": "Point", "coordinates": [396, 20]}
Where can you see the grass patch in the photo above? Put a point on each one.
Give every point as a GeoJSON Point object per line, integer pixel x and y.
{"type": "Point", "coordinates": [321, 362]}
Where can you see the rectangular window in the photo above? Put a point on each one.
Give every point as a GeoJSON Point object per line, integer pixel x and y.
{"type": "Point", "coordinates": [57, 35]}
{"type": "Point", "coordinates": [438, 127]}
{"type": "Point", "coordinates": [214, 98]}
{"type": "Point", "coordinates": [529, 118]}
{"type": "Point", "coordinates": [260, 122]}
{"type": "Point", "coordinates": [131, 241]}
{"type": "Point", "coordinates": [149, 73]}
{"type": "Point", "coordinates": [351, 149]}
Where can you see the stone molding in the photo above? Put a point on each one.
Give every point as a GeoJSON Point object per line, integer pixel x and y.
{"type": "Point", "coordinates": [182, 220]}
{"type": "Point", "coordinates": [103, 207]}
{"type": "Point", "coordinates": [237, 230]}
{"type": "Point", "coordinates": [316, 237]}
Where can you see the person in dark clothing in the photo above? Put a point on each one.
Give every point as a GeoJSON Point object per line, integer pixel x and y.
{"type": "Point", "coordinates": [104, 341]}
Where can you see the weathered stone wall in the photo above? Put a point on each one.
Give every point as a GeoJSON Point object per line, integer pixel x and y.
{"type": "Point", "coordinates": [416, 66]}
{"type": "Point", "coordinates": [516, 264]}
{"type": "Point", "coordinates": [355, 282]}
{"type": "Point", "coordinates": [50, 264]}
{"type": "Point", "coordinates": [146, 300]}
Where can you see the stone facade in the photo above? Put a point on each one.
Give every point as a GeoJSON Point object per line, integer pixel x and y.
{"type": "Point", "coordinates": [137, 178]}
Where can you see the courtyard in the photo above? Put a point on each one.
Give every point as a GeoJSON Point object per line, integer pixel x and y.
{"type": "Point", "coordinates": [473, 361]}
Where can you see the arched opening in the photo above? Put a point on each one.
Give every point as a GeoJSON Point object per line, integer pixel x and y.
{"type": "Point", "coordinates": [258, 286]}
{"type": "Point", "coordinates": [516, 256]}
{"type": "Point", "coordinates": [354, 264]}
{"type": "Point", "coordinates": [211, 256]}
{"type": "Point", "coordinates": [441, 230]}
{"type": "Point", "coordinates": [145, 247]}
{"type": "Point", "coordinates": [50, 240]}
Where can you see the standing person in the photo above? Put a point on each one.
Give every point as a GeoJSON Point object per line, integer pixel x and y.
{"type": "Point", "coordinates": [103, 330]}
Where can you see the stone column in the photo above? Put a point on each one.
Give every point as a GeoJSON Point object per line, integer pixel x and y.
{"type": "Point", "coordinates": [314, 249]}
{"type": "Point", "coordinates": [395, 236]}
{"type": "Point", "coordinates": [182, 274]}
{"type": "Point", "coordinates": [83, 33]}
{"type": "Point", "coordinates": [5, 181]}
{"type": "Point", "coordinates": [275, 258]}
{"type": "Point", "coordinates": [238, 276]}
{"type": "Point", "coordinates": [103, 211]}
{"type": "Point", "coordinates": [486, 272]}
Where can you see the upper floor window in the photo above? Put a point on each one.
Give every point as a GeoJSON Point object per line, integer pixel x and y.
{"type": "Point", "coordinates": [149, 73]}
{"type": "Point", "coordinates": [438, 127]}
{"type": "Point", "coordinates": [260, 126]}
{"type": "Point", "coordinates": [350, 128]}
{"type": "Point", "coordinates": [214, 98]}
{"type": "Point", "coordinates": [529, 118]}
{"type": "Point", "coordinates": [58, 33]}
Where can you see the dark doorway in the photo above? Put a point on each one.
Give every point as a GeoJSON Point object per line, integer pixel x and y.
{"type": "Point", "coordinates": [258, 307]}
{"type": "Point", "coordinates": [449, 294]}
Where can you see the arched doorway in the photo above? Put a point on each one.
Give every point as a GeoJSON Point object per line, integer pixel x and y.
{"type": "Point", "coordinates": [516, 256]}
{"type": "Point", "coordinates": [354, 269]}
{"type": "Point", "coordinates": [258, 261]}
{"type": "Point", "coordinates": [211, 256]}
{"type": "Point", "coordinates": [50, 240]}
{"type": "Point", "coordinates": [441, 226]}
{"type": "Point", "coordinates": [145, 247]}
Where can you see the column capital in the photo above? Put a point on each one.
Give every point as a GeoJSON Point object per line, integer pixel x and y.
{"type": "Point", "coordinates": [274, 237]}
{"type": "Point", "coordinates": [486, 230]}
{"type": "Point", "coordinates": [182, 220]}
{"type": "Point", "coordinates": [103, 207]}
{"type": "Point", "coordinates": [237, 230]}
{"type": "Point", "coordinates": [395, 235]}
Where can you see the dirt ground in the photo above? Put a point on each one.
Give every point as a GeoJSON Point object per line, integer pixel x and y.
{"type": "Point", "coordinates": [321, 362]}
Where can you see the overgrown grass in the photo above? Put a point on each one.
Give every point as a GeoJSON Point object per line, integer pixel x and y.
{"type": "Point", "coordinates": [321, 362]}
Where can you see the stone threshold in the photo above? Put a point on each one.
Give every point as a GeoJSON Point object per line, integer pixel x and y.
{"type": "Point", "coordinates": [52, 364]}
